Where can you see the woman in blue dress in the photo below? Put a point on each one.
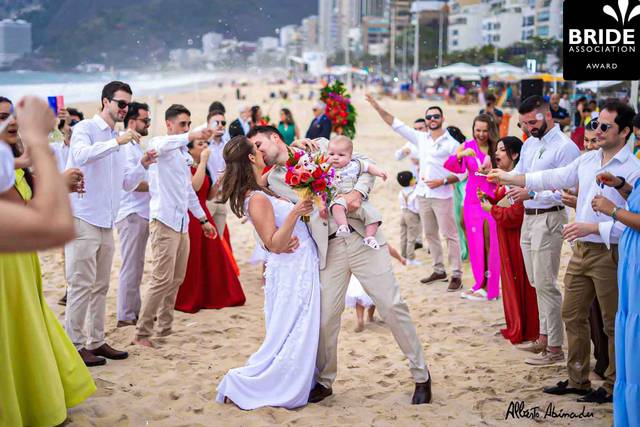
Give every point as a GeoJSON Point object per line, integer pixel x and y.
{"type": "Point", "coordinates": [626, 393]}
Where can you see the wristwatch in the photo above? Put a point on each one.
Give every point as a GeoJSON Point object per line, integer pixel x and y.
{"type": "Point", "coordinates": [532, 194]}
{"type": "Point", "coordinates": [622, 182]}
{"type": "Point", "coordinates": [445, 181]}
{"type": "Point", "coordinates": [204, 221]}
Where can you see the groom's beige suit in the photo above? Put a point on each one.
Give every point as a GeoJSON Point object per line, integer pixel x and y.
{"type": "Point", "coordinates": [339, 258]}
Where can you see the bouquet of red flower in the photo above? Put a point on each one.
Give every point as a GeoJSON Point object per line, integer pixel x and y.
{"type": "Point", "coordinates": [311, 177]}
{"type": "Point", "coordinates": [339, 108]}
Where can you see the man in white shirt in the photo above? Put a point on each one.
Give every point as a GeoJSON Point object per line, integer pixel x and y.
{"type": "Point", "coordinates": [132, 222]}
{"type": "Point", "coordinates": [216, 165]}
{"type": "Point", "coordinates": [172, 195]}
{"type": "Point", "coordinates": [545, 215]}
{"type": "Point", "coordinates": [96, 150]}
{"type": "Point", "coordinates": [592, 270]}
{"type": "Point", "coordinates": [434, 190]}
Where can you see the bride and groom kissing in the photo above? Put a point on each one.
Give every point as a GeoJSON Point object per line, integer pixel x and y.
{"type": "Point", "coordinates": [307, 272]}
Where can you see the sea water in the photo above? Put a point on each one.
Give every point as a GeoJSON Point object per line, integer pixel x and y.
{"type": "Point", "coordinates": [83, 87]}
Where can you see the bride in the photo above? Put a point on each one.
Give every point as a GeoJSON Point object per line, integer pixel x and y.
{"type": "Point", "coordinates": [281, 372]}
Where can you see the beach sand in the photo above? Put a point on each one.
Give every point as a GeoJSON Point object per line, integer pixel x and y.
{"type": "Point", "coordinates": [476, 373]}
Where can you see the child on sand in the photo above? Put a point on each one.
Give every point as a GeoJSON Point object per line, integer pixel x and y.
{"type": "Point", "coordinates": [357, 298]}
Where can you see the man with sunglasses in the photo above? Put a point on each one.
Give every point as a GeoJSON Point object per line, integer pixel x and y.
{"type": "Point", "coordinates": [132, 222]}
{"type": "Point", "coordinates": [172, 198]}
{"type": "Point", "coordinates": [434, 191]}
{"type": "Point", "coordinates": [546, 148]}
{"type": "Point", "coordinates": [592, 270]}
{"type": "Point", "coordinates": [96, 150]}
{"type": "Point", "coordinates": [320, 126]}
{"type": "Point", "coordinates": [216, 164]}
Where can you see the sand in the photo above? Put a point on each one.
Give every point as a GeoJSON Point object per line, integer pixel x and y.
{"type": "Point", "coordinates": [476, 373]}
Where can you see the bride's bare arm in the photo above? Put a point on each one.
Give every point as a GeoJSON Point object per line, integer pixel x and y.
{"type": "Point", "coordinates": [275, 239]}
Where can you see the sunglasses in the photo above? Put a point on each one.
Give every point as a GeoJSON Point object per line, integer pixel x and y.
{"type": "Point", "coordinates": [73, 122]}
{"type": "Point", "coordinates": [432, 117]}
{"type": "Point", "coordinates": [146, 121]}
{"type": "Point", "coordinates": [122, 104]}
{"type": "Point", "coordinates": [215, 123]}
{"type": "Point", "coordinates": [594, 125]}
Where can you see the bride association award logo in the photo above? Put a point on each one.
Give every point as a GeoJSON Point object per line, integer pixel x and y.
{"type": "Point", "coordinates": [601, 39]}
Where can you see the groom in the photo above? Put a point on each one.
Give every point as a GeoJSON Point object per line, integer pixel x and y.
{"type": "Point", "coordinates": [339, 258]}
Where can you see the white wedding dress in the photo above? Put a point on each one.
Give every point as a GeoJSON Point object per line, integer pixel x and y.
{"type": "Point", "coordinates": [281, 372]}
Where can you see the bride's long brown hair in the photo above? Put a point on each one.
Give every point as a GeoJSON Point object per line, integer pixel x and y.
{"type": "Point", "coordinates": [238, 179]}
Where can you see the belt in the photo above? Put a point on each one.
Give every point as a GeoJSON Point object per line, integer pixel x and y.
{"type": "Point", "coordinates": [333, 235]}
{"type": "Point", "coordinates": [543, 211]}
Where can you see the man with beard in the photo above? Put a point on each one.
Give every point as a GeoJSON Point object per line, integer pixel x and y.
{"type": "Point", "coordinates": [434, 191]}
{"type": "Point", "coordinates": [545, 216]}
{"type": "Point", "coordinates": [339, 258]}
{"type": "Point", "coordinates": [96, 150]}
{"type": "Point", "coordinates": [133, 222]}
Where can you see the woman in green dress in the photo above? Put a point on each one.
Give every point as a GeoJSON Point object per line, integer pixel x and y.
{"type": "Point", "coordinates": [288, 127]}
{"type": "Point", "coordinates": [41, 372]}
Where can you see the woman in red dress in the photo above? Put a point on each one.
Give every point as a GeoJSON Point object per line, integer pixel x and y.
{"type": "Point", "coordinates": [518, 296]}
{"type": "Point", "coordinates": [212, 273]}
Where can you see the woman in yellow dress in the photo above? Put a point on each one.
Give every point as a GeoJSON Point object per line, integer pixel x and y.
{"type": "Point", "coordinates": [41, 372]}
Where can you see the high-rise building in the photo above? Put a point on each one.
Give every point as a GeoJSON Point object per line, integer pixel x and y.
{"type": "Point", "coordinates": [377, 8]}
{"type": "Point", "coordinates": [15, 40]}
{"type": "Point", "coordinates": [309, 32]}
{"type": "Point", "coordinates": [502, 27]}
{"type": "Point", "coordinates": [549, 19]}
{"type": "Point", "coordinates": [465, 24]}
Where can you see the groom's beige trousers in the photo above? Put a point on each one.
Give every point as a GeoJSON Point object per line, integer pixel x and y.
{"type": "Point", "coordinates": [373, 269]}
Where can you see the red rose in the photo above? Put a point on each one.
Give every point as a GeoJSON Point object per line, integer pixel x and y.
{"type": "Point", "coordinates": [287, 177]}
{"type": "Point", "coordinates": [305, 177]}
{"type": "Point", "coordinates": [295, 180]}
{"type": "Point", "coordinates": [317, 173]}
{"type": "Point", "coordinates": [319, 185]}
{"type": "Point", "coordinates": [297, 155]}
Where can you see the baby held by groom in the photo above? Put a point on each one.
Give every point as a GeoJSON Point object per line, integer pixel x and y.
{"type": "Point", "coordinates": [348, 170]}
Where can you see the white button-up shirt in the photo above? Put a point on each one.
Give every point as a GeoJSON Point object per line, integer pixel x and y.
{"type": "Point", "coordinates": [134, 202]}
{"type": "Point", "coordinates": [96, 153]}
{"type": "Point", "coordinates": [170, 186]}
{"type": "Point", "coordinates": [61, 151]}
{"type": "Point", "coordinates": [582, 171]}
{"type": "Point", "coordinates": [215, 162]}
{"type": "Point", "coordinates": [432, 155]}
{"type": "Point", "coordinates": [7, 168]}
{"type": "Point", "coordinates": [407, 199]}
{"type": "Point", "coordinates": [554, 150]}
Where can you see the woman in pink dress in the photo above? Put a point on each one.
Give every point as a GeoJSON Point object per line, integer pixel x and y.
{"type": "Point", "coordinates": [476, 157]}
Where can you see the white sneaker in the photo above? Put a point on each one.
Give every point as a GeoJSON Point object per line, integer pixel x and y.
{"type": "Point", "coordinates": [370, 241]}
{"type": "Point", "coordinates": [343, 231]}
{"type": "Point", "coordinates": [479, 295]}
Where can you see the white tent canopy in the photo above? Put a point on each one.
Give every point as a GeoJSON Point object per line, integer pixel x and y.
{"type": "Point", "coordinates": [501, 69]}
{"type": "Point", "coordinates": [461, 70]}
{"type": "Point", "coordinates": [597, 84]}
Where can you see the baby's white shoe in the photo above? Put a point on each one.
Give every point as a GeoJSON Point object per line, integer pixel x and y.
{"type": "Point", "coordinates": [371, 242]}
{"type": "Point", "coordinates": [343, 231]}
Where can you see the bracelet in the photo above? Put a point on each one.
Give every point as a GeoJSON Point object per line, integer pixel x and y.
{"type": "Point", "coordinates": [614, 212]}
{"type": "Point", "coordinates": [622, 182]}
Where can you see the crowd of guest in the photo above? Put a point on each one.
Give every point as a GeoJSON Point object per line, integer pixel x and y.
{"type": "Point", "coordinates": [524, 217]}
{"type": "Point", "coordinates": [502, 201]}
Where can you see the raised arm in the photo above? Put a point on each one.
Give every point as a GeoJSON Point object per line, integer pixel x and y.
{"type": "Point", "coordinates": [46, 221]}
{"type": "Point", "coordinates": [384, 114]}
